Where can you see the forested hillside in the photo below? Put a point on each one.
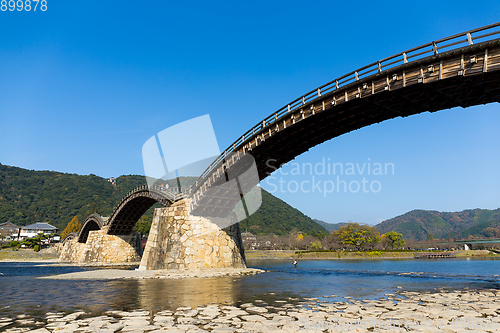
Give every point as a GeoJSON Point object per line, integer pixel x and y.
{"type": "Point", "coordinates": [277, 217]}
{"type": "Point", "coordinates": [54, 197]}
{"type": "Point", "coordinates": [419, 224]}
{"type": "Point", "coordinates": [28, 196]}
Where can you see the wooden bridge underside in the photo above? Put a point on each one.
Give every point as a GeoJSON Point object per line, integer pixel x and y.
{"type": "Point", "coordinates": [460, 78]}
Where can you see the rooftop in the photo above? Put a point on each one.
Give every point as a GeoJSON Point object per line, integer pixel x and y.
{"type": "Point", "coordinates": [8, 225]}
{"type": "Point", "coordinates": [39, 226]}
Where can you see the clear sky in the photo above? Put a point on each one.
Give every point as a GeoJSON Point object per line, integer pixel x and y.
{"type": "Point", "coordinates": [84, 84]}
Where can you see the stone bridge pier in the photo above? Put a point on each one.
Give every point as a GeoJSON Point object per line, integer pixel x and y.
{"type": "Point", "coordinates": [178, 240]}
{"type": "Point", "coordinates": [99, 247]}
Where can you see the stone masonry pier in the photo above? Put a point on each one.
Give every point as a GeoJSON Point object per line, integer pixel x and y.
{"type": "Point", "coordinates": [178, 240]}
{"type": "Point", "coordinates": [103, 248]}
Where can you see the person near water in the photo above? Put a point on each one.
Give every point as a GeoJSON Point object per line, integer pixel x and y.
{"type": "Point", "coordinates": [295, 263]}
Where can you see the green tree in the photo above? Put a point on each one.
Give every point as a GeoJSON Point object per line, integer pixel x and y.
{"type": "Point", "coordinates": [394, 239]}
{"type": "Point", "coordinates": [430, 237]}
{"type": "Point", "coordinates": [315, 245]}
{"type": "Point", "coordinates": [357, 235]}
{"type": "Point", "coordinates": [34, 241]}
{"type": "Point", "coordinates": [73, 226]}
{"type": "Point", "coordinates": [319, 234]}
{"type": "Point", "coordinates": [143, 225]}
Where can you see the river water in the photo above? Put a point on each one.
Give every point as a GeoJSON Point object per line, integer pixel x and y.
{"type": "Point", "coordinates": [22, 293]}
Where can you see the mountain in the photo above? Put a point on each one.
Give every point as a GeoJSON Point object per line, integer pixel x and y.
{"type": "Point", "coordinates": [418, 224]}
{"type": "Point", "coordinates": [28, 196]}
{"type": "Point", "coordinates": [329, 226]}
{"type": "Point", "coordinates": [485, 229]}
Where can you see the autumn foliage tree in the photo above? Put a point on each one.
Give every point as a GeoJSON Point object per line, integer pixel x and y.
{"type": "Point", "coordinates": [73, 226]}
{"type": "Point", "coordinates": [357, 235]}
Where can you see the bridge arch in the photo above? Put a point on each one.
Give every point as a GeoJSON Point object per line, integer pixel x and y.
{"type": "Point", "coordinates": [460, 70]}
{"type": "Point", "coordinates": [135, 204]}
{"type": "Point", "coordinates": [69, 237]}
{"type": "Point", "coordinates": [93, 222]}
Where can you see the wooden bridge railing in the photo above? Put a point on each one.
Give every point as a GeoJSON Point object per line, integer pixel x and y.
{"type": "Point", "coordinates": [486, 33]}
{"type": "Point", "coordinates": [172, 193]}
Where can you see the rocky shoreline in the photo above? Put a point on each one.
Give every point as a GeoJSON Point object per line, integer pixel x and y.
{"type": "Point", "coordinates": [455, 311]}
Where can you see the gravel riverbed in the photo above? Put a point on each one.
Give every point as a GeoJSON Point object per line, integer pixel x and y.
{"type": "Point", "coordinates": [457, 311]}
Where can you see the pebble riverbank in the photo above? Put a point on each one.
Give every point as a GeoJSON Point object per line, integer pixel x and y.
{"type": "Point", "coordinates": [457, 311]}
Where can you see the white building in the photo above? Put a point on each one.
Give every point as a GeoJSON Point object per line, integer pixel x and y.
{"type": "Point", "coordinates": [34, 229]}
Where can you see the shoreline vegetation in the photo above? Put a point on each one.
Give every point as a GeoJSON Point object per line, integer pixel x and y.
{"type": "Point", "coordinates": [353, 255]}
{"type": "Point", "coordinates": [28, 255]}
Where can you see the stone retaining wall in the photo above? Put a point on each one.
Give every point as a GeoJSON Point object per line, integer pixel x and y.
{"type": "Point", "coordinates": [179, 240]}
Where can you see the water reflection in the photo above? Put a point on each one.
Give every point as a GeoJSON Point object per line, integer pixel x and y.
{"type": "Point", "coordinates": [160, 293]}
{"type": "Point", "coordinates": [40, 296]}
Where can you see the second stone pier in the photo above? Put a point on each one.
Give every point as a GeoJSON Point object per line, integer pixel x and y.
{"type": "Point", "coordinates": [179, 240]}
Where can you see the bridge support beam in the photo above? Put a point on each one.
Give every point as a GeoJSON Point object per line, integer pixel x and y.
{"type": "Point", "coordinates": [103, 248]}
{"type": "Point", "coordinates": [179, 240]}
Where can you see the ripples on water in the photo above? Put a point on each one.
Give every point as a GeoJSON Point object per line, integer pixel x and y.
{"type": "Point", "coordinates": [21, 292]}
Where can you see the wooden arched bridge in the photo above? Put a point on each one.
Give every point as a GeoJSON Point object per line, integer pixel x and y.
{"type": "Point", "coordinates": [460, 70]}
{"type": "Point", "coordinates": [128, 211]}
{"type": "Point", "coordinates": [136, 203]}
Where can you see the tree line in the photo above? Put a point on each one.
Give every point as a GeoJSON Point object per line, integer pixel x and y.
{"type": "Point", "coordinates": [352, 236]}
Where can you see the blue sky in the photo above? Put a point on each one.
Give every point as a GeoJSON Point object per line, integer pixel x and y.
{"type": "Point", "coordinates": [86, 83]}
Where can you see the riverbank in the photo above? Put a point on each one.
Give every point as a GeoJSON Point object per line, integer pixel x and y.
{"type": "Point", "coordinates": [352, 255]}
{"type": "Point", "coordinates": [28, 255]}
{"type": "Point", "coordinates": [403, 311]}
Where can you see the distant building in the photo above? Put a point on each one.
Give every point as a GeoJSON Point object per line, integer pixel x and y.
{"type": "Point", "coordinates": [112, 180]}
{"type": "Point", "coordinates": [8, 229]}
{"type": "Point", "coordinates": [34, 229]}
{"type": "Point", "coordinates": [248, 237]}
{"type": "Point", "coordinates": [249, 240]}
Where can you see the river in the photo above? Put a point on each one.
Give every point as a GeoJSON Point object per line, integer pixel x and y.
{"type": "Point", "coordinates": [22, 293]}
